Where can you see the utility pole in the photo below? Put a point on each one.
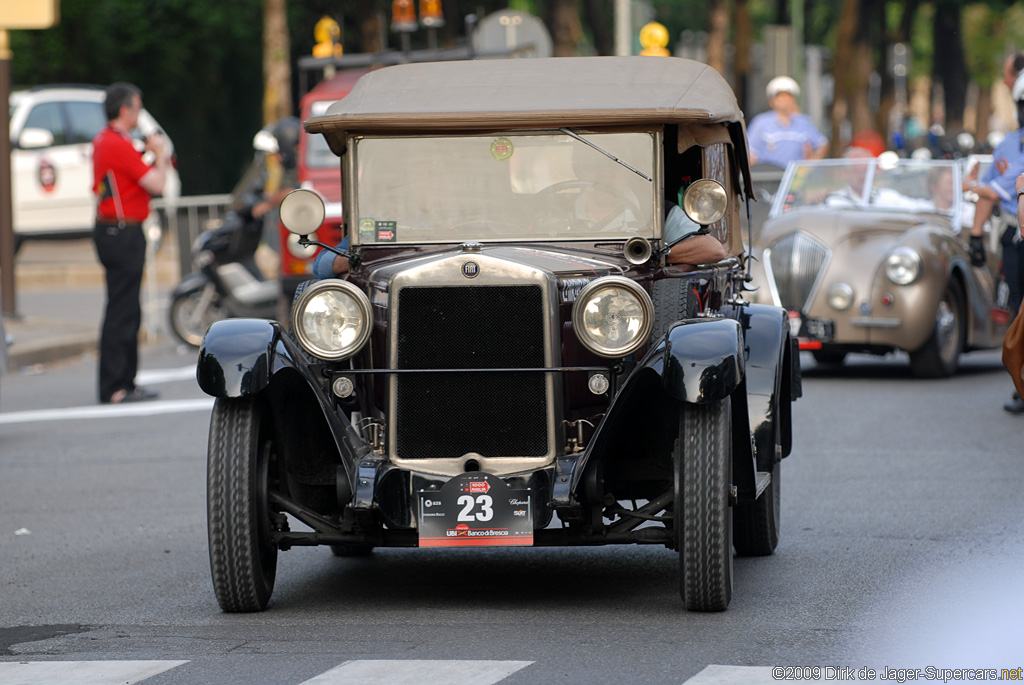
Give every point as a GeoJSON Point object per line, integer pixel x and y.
{"type": "Point", "coordinates": [25, 14]}
{"type": "Point", "coordinates": [623, 28]}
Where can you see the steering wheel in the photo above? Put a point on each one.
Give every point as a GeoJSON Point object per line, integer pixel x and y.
{"type": "Point", "coordinates": [626, 202]}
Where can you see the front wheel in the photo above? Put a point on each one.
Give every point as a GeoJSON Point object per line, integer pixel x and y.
{"type": "Point", "coordinates": [192, 314]}
{"type": "Point", "coordinates": [940, 356]}
{"type": "Point", "coordinates": [240, 474]}
{"type": "Point", "coordinates": [703, 518]}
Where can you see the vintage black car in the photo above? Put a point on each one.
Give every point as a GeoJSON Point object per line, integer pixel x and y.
{"type": "Point", "coordinates": [512, 359]}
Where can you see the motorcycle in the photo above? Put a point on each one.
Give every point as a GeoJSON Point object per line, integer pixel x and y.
{"type": "Point", "coordinates": [227, 282]}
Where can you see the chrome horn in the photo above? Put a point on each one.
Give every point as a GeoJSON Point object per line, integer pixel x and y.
{"type": "Point", "coordinates": [637, 250]}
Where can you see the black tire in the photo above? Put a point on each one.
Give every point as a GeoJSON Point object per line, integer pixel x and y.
{"type": "Point", "coordinates": [669, 297]}
{"type": "Point", "coordinates": [756, 524]}
{"type": "Point", "coordinates": [940, 356]}
{"type": "Point", "coordinates": [829, 357]}
{"type": "Point", "coordinates": [188, 323]}
{"type": "Point", "coordinates": [243, 557]}
{"type": "Point", "coordinates": [703, 517]}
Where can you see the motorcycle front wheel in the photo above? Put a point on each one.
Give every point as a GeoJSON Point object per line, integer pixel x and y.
{"type": "Point", "coordinates": [192, 313]}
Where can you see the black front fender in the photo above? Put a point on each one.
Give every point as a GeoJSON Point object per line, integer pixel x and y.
{"type": "Point", "coordinates": [702, 360]}
{"type": "Point", "coordinates": [193, 282]}
{"type": "Point", "coordinates": [237, 356]}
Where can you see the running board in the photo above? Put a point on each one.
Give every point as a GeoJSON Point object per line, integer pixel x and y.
{"type": "Point", "coordinates": [764, 479]}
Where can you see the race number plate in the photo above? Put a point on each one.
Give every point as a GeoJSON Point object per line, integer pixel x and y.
{"type": "Point", "coordinates": [475, 510]}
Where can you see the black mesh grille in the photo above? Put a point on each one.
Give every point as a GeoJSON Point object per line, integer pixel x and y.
{"type": "Point", "coordinates": [449, 414]}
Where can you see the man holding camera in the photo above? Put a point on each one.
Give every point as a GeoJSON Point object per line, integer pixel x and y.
{"type": "Point", "coordinates": [123, 184]}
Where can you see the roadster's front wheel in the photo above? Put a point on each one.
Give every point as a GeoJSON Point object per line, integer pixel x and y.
{"type": "Point", "coordinates": [940, 356]}
{"type": "Point", "coordinates": [703, 518]}
{"type": "Point", "coordinates": [240, 468]}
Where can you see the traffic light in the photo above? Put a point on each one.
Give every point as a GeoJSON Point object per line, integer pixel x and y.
{"type": "Point", "coordinates": [431, 14]}
{"type": "Point", "coordinates": [403, 16]}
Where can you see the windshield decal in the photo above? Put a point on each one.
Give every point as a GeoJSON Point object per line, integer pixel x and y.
{"type": "Point", "coordinates": [386, 232]}
{"type": "Point", "coordinates": [501, 149]}
{"type": "Point", "coordinates": [367, 228]}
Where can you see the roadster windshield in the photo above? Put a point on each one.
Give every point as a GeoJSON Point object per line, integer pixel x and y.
{"type": "Point", "coordinates": [903, 185]}
{"type": "Point", "coordinates": [492, 188]}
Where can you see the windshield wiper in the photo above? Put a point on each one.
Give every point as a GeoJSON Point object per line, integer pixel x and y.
{"type": "Point", "coordinates": [605, 153]}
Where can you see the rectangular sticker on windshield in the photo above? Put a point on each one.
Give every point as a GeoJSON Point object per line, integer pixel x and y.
{"type": "Point", "coordinates": [386, 232]}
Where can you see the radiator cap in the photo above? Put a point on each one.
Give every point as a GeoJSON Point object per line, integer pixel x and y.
{"type": "Point", "coordinates": [471, 247]}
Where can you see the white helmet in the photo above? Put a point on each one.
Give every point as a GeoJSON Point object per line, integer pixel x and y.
{"type": "Point", "coordinates": [1018, 88]}
{"type": "Point", "coordinates": [782, 84]}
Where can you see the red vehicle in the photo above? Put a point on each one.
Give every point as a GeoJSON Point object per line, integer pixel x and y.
{"type": "Point", "coordinates": [318, 170]}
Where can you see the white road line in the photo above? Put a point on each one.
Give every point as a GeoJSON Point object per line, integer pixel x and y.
{"type": "Point", "coordinates": [82, 672]}
{"type": "Point", "coordinates": [155, 376]}
{"type": "Point", "coordinates": [108, 411]}
{"type": "Point", "coordinates": [417, 672]}
{"type": "Point", "coordinates": [734, 675]}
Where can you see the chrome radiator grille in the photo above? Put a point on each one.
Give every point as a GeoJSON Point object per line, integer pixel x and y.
{"type": "Point", "coordinates": [795, 263]}
{"type": "Point", "coordinates": [495, 414]}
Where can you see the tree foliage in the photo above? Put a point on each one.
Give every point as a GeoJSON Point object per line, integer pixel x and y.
{"type": "Point", "coordinates": [200, 64]}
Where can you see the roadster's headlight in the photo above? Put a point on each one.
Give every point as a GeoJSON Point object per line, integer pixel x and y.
{"type": "Point", "coordinates": [840, 296]}
{"type": "Point", "coordinates": [332, 319]}
{"type": "Point", "coordinates": [903, 266]}
{"type": "Point", "coordinates": [613, 316]}
{"type": "Point", "coordinates": [705, 201]}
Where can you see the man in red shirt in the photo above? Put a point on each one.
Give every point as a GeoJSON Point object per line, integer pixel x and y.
{"type": "Point", "coordinates": [123, 184]}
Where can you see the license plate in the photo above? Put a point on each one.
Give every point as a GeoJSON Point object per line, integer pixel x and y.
{"type": "Point", "coordinates": [475, 510]}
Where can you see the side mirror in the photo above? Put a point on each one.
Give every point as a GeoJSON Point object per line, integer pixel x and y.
{"type": "Point", "coordinates": [35, 138]}
{"type": "Point", "coordinates": [302, 211]}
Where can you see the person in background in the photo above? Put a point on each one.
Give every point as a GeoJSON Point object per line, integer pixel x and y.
{"type": "Point", "coordinates": [997, 188]}
{"type": "Point", "coordinates": [123, 184]}
{"type": "Point", "coordinates": [783, 134]}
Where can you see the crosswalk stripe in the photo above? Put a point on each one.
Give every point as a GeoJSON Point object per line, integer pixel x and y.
{"type": "Point", "coordinates": [733, 675]}
{"type": "Point", "coordinates": [417, 672]}
{"type": "Point", "coordinates": [108, 411]}
{"type": "Point", "coordinates": [81, 672]}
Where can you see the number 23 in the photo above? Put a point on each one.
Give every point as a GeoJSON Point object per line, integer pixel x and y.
{"type": "Point", "coordinates": [468, 514]}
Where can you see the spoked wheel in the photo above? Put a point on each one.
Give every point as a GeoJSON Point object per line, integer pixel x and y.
{"type": "Point", "coordinates": [703, 518]}
{"type": "Point", "coordinates": [192, 314]}
{"type": "Point", "coordinates": [241, 460]}
{"type": "Point", "coordinates": [940, 356]}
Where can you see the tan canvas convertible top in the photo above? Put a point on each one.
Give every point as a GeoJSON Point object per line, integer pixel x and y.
{"type": "Point", "coordinates": [535, 93]}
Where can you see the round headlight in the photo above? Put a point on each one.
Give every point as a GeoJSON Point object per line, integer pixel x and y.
{"type": "Point", "coordinates": [903, 266]}
{"type": "Point", "coordinates": [840, 296]}
{"type": "Point", "coordinates": [302, 211]}
{"type": "Point", "coordinates": [332, 319]}
{"type": "Point", "coordinates": [613, 316]}
{"type": "Point", "coordinates": [705, 201]}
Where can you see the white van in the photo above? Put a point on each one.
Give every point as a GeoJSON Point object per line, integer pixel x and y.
{"type": "Point", "coordinates": [52, 128]}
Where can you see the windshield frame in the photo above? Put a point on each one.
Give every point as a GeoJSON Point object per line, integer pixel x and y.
{"type": "Point", "coordinates": [350, 167]}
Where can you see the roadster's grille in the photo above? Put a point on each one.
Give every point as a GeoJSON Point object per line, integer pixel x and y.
{"type": "Point", "coordinates": [443, 415]}
{"type": "Point", "coordinates": [796, 261]}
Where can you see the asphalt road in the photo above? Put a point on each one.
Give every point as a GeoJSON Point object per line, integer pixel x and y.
{"type": "Point", "coordinates": [902, 547]}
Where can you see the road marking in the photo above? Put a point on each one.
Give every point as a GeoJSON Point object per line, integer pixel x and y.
{"type": "Point", "coordinates": [108, 411]}
{"type": "Point", "coordinates": [417, 672]}
{"type": "Point", "coordinates": [82, 672]}
{"type": "Point", "coordinates": [734, 675]}
{"type": "Point", "coordinates": [155, 376]}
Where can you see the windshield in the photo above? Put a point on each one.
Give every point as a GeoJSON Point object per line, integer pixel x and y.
{"type": "Point", "coordinates": [905, 185]}
{"type": "Point", "coordinates": [491, 188]}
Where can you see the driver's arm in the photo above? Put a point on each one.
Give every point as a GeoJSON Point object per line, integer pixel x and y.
{"type": "Point", "coordinates": [698, 249]}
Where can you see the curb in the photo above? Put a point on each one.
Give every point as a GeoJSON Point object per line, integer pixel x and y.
{"type": "Point", "coordinates": [49, 350]}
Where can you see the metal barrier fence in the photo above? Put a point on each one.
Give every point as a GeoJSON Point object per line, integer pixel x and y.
{"type": "Point", "coordinates": [186, 217]}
